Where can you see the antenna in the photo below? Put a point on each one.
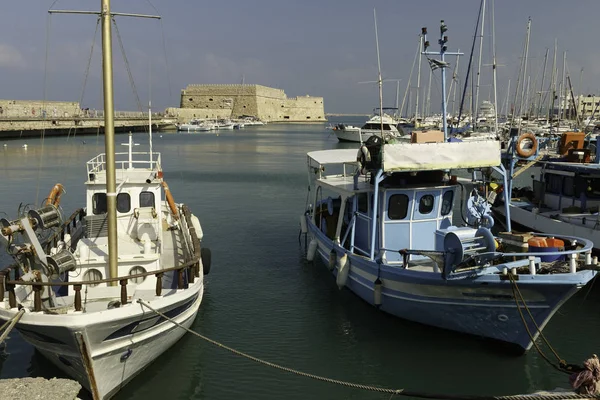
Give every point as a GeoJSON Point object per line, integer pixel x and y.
{"type": "Point", "coordinates": [441, 64]}
{"type": "Point", "coordinates": [380, 81]}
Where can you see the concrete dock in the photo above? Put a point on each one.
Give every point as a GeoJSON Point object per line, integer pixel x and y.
{"type": "Point", "coordinates": [39, 388]}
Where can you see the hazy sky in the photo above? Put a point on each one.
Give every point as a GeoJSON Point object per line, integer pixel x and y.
{"type": "Point", "coordinates": [317, 47]}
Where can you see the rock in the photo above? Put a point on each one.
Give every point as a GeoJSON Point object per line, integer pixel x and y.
{"type": "Point", "coordinates": [39, 388]}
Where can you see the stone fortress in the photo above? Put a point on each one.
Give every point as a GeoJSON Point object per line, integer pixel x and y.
{"type": "Point", "coordinates": [235, 101]}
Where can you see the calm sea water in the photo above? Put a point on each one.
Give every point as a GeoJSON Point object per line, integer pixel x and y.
{"type": "Point", "coordinates": [248, 188]}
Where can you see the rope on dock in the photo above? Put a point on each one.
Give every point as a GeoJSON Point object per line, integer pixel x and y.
{"type": "Point", "coordinates": [11, 324]}
{"type": "Point", "coordinates": [393, 392]}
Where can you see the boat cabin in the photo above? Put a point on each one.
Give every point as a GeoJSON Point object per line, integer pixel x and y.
{"type": "Point", "coordinates": [568, 187]}
{"type": "Point", "coordinates": [142, 218]}
{"type": "Point", "coordinates": [408, 207]}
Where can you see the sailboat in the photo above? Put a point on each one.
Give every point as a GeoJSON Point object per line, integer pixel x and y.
{"type": "Point", "coordinates": [86, 291]}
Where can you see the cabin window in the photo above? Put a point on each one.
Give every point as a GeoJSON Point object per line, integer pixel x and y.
{"type": "Point", "coordinates": [123, 202]}
{"type": "Point", "coordinates": [426, 204]}
{"type": "Point", "coordinates": [568, 188]}
{"type": "Point", "coordinates": [99, 203]}
{"type": "Point", "coordinates": [447, 202]}
{"type": "Point", "coordinates": [553, 184]}
{"type": "Point", "coordinates": [398, 206]}
{"type": "Point", "coordinates": [363, 203]}
{"type": "Point", "coordinates": [146, 199]}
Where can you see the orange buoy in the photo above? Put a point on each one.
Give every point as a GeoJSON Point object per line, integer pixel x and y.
{"type": "Point", "coordinates": [170, 201]}
{"type": "Point", "coordinates": [54, 196]}
{"type": "Point", "coordinates": [525, 153]}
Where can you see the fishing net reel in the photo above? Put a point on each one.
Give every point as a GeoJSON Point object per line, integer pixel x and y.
{"type": "Point", "coordinates": [465, 248]}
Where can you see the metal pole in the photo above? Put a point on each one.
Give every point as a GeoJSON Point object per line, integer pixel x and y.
{"type": "Point", "coordinates": [109, 140]}
{"type": "Point", "coordinates": [476, 106]}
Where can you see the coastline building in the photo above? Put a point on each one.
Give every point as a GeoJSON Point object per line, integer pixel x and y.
{"type": "Point", "coordinates": [239, 100]}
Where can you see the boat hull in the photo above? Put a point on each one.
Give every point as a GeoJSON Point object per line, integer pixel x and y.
{"type": "Point", "coordinates": [104, 351]}
{"type": "Point", "coordinates": [483, 306]}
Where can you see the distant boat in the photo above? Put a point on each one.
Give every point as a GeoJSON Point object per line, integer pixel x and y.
{"type": "Point", "coordinates": [374, 126]}
{"type": "Point", "coordinates": [196, 125]}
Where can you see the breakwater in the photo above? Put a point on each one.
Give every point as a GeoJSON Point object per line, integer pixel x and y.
{"type": "Point", "coordinates": [32, 118]}
{"type": "Point", "coordinates": [17, 127]}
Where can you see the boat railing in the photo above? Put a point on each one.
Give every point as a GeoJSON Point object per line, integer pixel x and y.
{"type": "Point", "coordinates": [192, 267]}
{"type": "Point", "coordinates": [141, 160]}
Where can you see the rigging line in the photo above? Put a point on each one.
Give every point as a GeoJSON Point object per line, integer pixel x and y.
{"type": "Point", "coordinates": [410, 77]}
{"type": "Point", "coordinates": [164, 43]}
{"type": "Point", "coordinates": [462, 99]}
{"type": "Point", "coordinates": [87, 70]}
{"type": "Point", "coordinates": [45, 89]}
{"type": "Point", "coordinates": [131, 82]}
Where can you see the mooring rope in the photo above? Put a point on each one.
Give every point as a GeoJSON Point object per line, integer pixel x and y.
{"type": "Point", "coordinates": [562, 364]}
{"type": "Point", "coordinates": [13, 321]}
{"type": "Point", "coordinates": [393, 392]}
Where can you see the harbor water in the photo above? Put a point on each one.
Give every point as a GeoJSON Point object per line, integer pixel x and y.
{"type": "Point", "coordinates": [248, 188]}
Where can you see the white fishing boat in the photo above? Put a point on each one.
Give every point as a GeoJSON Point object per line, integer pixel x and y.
{"type": "Point", "coordinates": [85, 290]}
{"type": "Point", "coordinates": [196, 125]}
{"type": "Point", "coordinates": [382, 221]}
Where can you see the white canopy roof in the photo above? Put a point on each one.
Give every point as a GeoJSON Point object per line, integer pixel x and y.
{"type": "Point", "coordinates": [334, 156]}
{"type": "Point", "coordinates": [443, 155]}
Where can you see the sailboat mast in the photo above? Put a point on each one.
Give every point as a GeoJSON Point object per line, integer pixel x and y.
{"type": "Point", "coordinates": [476, 106]}
{"type": "Point", "coordinates": [109, 139]}
{"type": "Point", "coordinates": [542, 85]}
{"type": "Point", "coordinates": [379, 80]}
{"type": "Point", "coordinates": [494, 70]}
{"type": "Point", "coordinates": [563, 94]}
{"type": "Point", "coordinates": [522, 105]}
{"type": "Point", "coordinates": [552, 85]}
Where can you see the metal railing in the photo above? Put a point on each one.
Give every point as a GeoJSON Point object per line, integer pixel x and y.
{"type": "Point", "coordinates": [192, 267]}
{"type": "Point", "coordinates": [122, 161]}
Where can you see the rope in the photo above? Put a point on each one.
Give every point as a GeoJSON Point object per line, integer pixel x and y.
{"type": "Point", "coordinates": [561, 363]}
{"type": "Point", "coordinates": [392, 392]}
{"type": "Point", "coordinates": [13, 321]}
{"type": "Point", "coordinates": [164, 45]}
{"type": "Point", "coordinates": [131, 82]}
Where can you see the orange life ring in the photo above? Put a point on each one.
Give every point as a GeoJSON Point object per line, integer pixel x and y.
{"type": "Point", "coordinates": [170, 200]}
{"type": "Point", "coordinates": [525, 153]}
{"type": "Point", "coordinates": [54, 196]}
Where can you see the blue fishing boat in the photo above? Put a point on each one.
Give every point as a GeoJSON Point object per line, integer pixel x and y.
{"type": "Point", "coordinates": [383, 222]}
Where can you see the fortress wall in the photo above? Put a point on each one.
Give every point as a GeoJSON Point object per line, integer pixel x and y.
{"type": "Point", "coordinates": [37, 108]}
{"type": "Point", "coordinates": [232, 101]}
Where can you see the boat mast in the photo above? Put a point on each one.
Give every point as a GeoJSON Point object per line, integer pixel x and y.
{"type": "Point", "coordinates": [522, 105]}
{"type": "Point", "coordinates": [563, 101]}
{"type": "Point", "coordinates": [419, 80]}
{"type": "Point", "coordinates": [476, 106]}
{"type": "Point", "coordinates": [494, 70]}
{"type": "Point", "coordinates": [553, 86]}
{"type": "Point", "coordinates": [109, 139]}
{"type": "Point", "coordinates": [106, 17]}
{"type": "Point", "coordinates": [542, 85]}
{"type": "Point", "coordinates": [379, 80]}
{"type": "Point", "coordinates": [442, 64]}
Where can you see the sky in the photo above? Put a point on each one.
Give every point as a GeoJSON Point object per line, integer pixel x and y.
{"type": "Point", "coordinates": [316, 47]}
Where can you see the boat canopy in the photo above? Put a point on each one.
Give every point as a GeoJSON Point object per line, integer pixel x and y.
{"type": "Point", "coordinates": [444, 155]}
{"type": "Point", "coordinates": [335, 156]}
